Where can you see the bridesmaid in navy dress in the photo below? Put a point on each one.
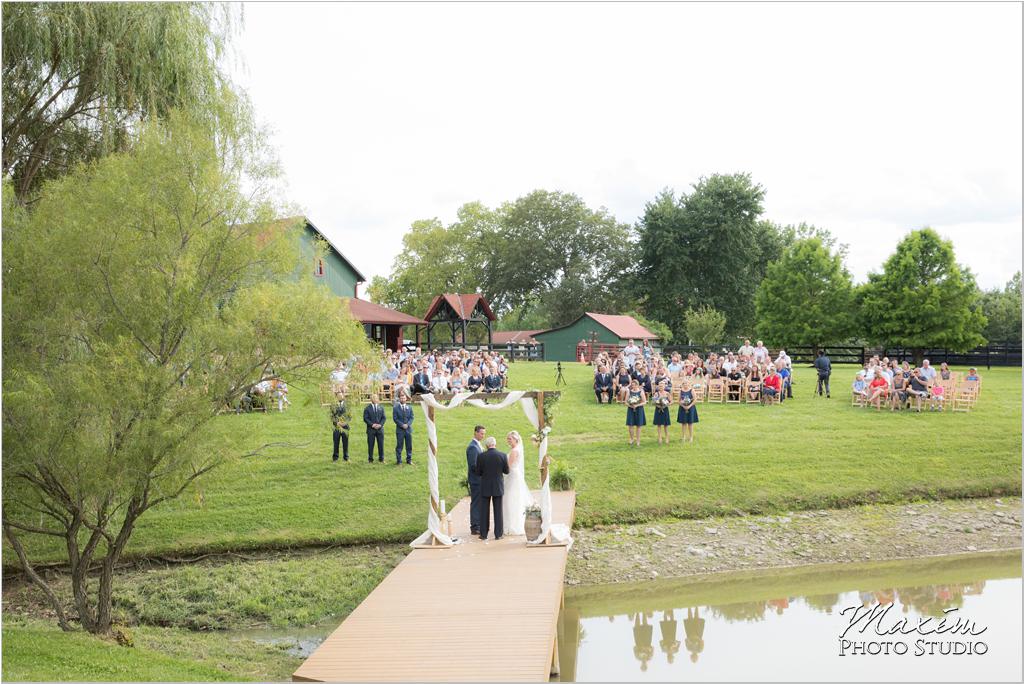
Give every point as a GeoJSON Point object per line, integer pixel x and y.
{"type": "Point", "coordinates": [662, 419]}
{"type": "Point", "coordinates": [687, 414]}
{"type": "Point", "coordinates": [635, 416]}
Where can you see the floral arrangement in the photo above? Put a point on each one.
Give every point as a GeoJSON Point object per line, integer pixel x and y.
{"type": "Point", "coordinates": [663, 402]}
{"type": "Point", "coordinates": [533, 511]}
{"type": "Point", "coordinates": [633, 401]}
{"type": "Point", "coordinates": [550, 400]}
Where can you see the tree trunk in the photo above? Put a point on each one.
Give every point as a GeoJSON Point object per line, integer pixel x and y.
{"type": "Point", "coordinates": [918, 356]}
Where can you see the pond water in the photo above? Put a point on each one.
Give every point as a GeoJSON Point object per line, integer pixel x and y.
{"type": "Point", "coordinates": [789, 625]}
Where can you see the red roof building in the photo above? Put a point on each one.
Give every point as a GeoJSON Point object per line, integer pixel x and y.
{"type": "Point", "coordinates": [383, 325]}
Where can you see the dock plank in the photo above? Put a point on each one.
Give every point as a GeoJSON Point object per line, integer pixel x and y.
{"type": "Point", "coordinates": [480, 611]}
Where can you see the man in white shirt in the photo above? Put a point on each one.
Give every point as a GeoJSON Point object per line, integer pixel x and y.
{"type": "Point", "coordinates": [746, 350]}
{"type": "Point", "coordinates": [631, 352]}
{"type": "Point", "coordinates": [760, 352]}
{"type": "Point", "coordinates": [927, 371]}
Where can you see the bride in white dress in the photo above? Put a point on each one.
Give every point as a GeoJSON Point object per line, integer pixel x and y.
{"type": "Point", "coordinates": [517, 495]}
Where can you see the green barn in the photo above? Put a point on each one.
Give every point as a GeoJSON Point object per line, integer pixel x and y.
{"type": "Point", "coordinates": [560, 344]}
{"type": "Point", "coordinates": [333, 269]}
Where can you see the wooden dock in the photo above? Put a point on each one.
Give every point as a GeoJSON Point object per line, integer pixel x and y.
{"type": "Point", "coordinates": [479, 611]}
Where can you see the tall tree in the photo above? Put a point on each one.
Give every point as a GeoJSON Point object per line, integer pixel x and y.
{"type": "Point", "coordinates": [707, 247]}
{"type": "Point", "coordinates": [806, 297]}
{"type": "Point", "coordinates": [923, 298]}
{"type": "Point", "coordinates": [544, 258]}
{"type": "Point", "coordinates": [78, 78]}
{"type": "Point", "coordinates": [553, 253]}
{"type": "Point", "coordinates": [1002, 308]}
{"type": "Point", "coordinates": [434, 259]}
{"type": "Point", "coordinates": [142, 293]}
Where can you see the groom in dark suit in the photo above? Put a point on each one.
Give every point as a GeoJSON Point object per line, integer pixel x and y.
{"type": "Point", "coordinates": [475, 448]}
{"type": "Point", "coordinates": [490, 466]}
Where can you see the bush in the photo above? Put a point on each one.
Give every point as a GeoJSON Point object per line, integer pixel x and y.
{"type": "Point", "coordinates": [563, 478]}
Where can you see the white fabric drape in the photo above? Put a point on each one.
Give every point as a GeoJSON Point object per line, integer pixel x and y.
{"type": "Point", "coordinates": [559, 533]}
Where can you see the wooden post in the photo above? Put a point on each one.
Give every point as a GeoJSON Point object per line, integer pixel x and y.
{"type": "Point", "coordinates": [540, 414]}
{"type": "Point", "coordinates": [434, 504]}
{"type": "Point", "coordinates": [555, 669]}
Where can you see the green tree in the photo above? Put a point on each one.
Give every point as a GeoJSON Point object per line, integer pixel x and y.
{"type": "Point", "coordinates": [922, 298]}
{"type": "Point", "coordinates": [705, 325]}
{"type": "Point", "coordinates": [552, 253]}
{"type": "Point", "coordinates": [541, 261]}
{"type": "Point", "coordinates": [142, 294]}
{"type": "Point", "coordinates": [79, 77]}
{"type": "Point", "coordinates": [660, 329]}
{"type": "Point", "coordinates": [708, 247]}
{"type": "Point", "coordinates": [434, 260]}
{"type": "Point", "coordinates": [1002, 308]}
{"type": "Point", "coordinates": [806, 297]}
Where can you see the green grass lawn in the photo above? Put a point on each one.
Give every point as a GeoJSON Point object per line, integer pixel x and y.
{"type": "Point", "coordinates": [36, 650]}
{"type": "Point", "coordinates": [807, 453]}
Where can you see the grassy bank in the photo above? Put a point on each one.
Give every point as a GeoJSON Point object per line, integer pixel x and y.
{"type": "Point", "coordinates": [807, 453]}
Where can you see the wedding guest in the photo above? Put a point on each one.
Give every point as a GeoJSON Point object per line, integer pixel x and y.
{"type": "Point", "coordinates": [373, 416]}
{"type": "Point", "coordinates": [944, 371]}
{"type": "Point", "coordinates": [662, 420]}
{"type": "Point", "coordinates": [734, 383]}
{"type": "Point", "coordinates": [686, 416]}
{"type": "Point", "coordinates": [475, 381]}
{"type": "Point", "coordinates": [927, 372]}
{"type": "Point", "coordinates": [492, 383]}
{"type": "Point", "coordinates": [746, 351]}
{"type": "Point", "coordinates": [421, 381]}
{"type": "Point", "coordinates": [457, 382]}
{"type": "Point", "coordinates": [341, 421]}
{"type": "Point", "coordinates": [919, 387]}
{"type": "Point", "coordinates": [340, 374]}
{"type": "Point", "coordinates": [786, 378]}
{"type": "Point", "coordinates": [439, 380]}
{"type": "Point", "coordinates": [603, 385]}
{"type": "Point", "coordinates": [631, 351]}
{"type": "Point", "coordinates": [972, 376]}
{"type": "Point", "coordinates": [635, 416]}
{"type": "Point", "coordinates": [771, 386]}
{"type": "Point", "coordinates": [676, 364]}
{"type": "Point", "coordinates": [860, 386]}
{"type": "Point", "coordinates": [641, 375]}
{"type": "Point", "coordinates": [622, 381]}
{"type": "Point", "coordinates": [878, 389]}
{"type": "Point", "coordinates": [761, 353]}
{"type": "Point", "coordinates": [403, 416]}
{"type": "Point", "coordinates": [648, 352]}
{"type": "Point", "coordinates": [900, 393]}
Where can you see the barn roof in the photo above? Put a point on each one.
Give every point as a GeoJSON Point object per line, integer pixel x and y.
{"type": "Point", "coordinates": [462, 305]}
{"type": "Point", "coordinates": [368, 312]}
{"type": "Point", "coordinates": [624, 327]}
{"type": "Point", "coordinates": [514, 337]}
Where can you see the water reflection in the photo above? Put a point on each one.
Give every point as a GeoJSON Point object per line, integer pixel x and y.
{"type": "Point", "coordinates": [786, 625]}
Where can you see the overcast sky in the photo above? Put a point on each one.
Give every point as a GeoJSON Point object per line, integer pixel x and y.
{"type": "Point", "coordinates": [866, 119]}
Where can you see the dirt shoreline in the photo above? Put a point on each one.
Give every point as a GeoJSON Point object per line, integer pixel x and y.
{"type": "Point", "coordinates": [626, 553]}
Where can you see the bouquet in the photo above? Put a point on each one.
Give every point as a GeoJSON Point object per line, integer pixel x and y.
{"type": "Point", "coordinates": [633, 401]}
{"type": "Point", "coordinates": [663, 402]}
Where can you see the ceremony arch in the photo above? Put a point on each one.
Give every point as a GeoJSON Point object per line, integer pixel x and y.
{"type": "Point", "coordinates": [532, 403]}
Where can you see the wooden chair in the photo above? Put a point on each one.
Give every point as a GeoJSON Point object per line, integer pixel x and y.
{"type": "Point", "coordinates": [387, 391]}
{"type": "Point", "coordinates": [327, 391]}
{"type": "Point", "coordinates": [858, 399]}
{"type": "Point", "coordinates": [733, 391]}
{"type": "Point", "coordinates": [716, 390]}
{"type": "Point", "coordinates": [965, 397]}
{"type": "Point", "coordinates": [752, 392]}
{"type": "Point", "coordinates": [699, 392]}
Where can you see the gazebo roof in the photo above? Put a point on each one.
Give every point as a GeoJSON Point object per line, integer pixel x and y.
{"type": "Point", "coordinates": [461, 304]}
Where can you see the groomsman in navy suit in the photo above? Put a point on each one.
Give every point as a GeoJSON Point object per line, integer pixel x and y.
{"type": "Point", "coordinates": [373, 416]}
{"type": "Point", "coordinates": [403, 416]}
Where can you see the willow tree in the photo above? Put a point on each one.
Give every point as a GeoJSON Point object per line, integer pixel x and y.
{"type": "Point", "coordinates": [142, 294]}
{"type": "Point", "coordinates": [79, 77]}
